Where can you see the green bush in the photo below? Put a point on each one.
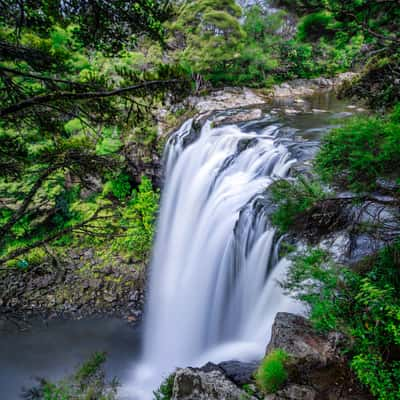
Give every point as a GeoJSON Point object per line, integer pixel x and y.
{"type": "Point", "coordinates": [361, 151]}
{"type": "Point", "coordinates": [364, 305]}
{"type": "Point", "coordinates": [315, 25]}
{"type": "Point", "coordinates": [272, 374]}
{"type": "Point", "coordinates": [292, 199]}
{"type": "Point", "coordinates": [164, 392]}
{"type": "Point", "coordinates": [88, 383]}
{"type": "Point", "coordinates": [138, 220]}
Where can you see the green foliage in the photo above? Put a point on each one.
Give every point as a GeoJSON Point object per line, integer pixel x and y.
{"type": "Point", "coordinates": [88, 383]}
{"type": "Point", "coordinates": [90, 367]}
{"type": "Point", "coordinates": [62, 155]}
{"type": "Point", "coordinates": [164, 392]}
{"type": "Point", "coordinates": [272, 374]}
{"type": "Point", "coordinates": [361, 151]}
{"type": "Point", "coordinates": [313, 26]}
{"type": "Point", "coordinates": [138, 220]}
{"type": "Point", "coordinates": [120, 187]}
{"type": "Point", "coordinates": [212, 34]}
{"type": "Point", "coordinates": [293, 198]}
{"type": "Point", "coordinates": [364, 305]}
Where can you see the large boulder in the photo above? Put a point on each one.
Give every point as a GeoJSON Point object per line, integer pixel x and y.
{"type": "Point", "coordinates": [295, 335]}
{"type": "Point", "coordinates": [317, 369]}
{"type": "Point", "coordinates": [207, 383]}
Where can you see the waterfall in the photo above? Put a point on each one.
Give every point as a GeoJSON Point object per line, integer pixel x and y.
{"type": "Point", "coordinates": [213, 293]}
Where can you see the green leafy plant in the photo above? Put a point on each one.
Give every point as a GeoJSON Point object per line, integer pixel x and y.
{"type": "Point", "coordinates": [88, 383]}
{"type": "Point", "coordinates": [293, 198]}
{"type": "Point", "coordinates": [363, 304]}
{"type": "Point", "coordinates": [164, 392]}
{"type": "Point", "coordinates": [361, 151]}
{"type": "Point", "coordinates": [272, 374]}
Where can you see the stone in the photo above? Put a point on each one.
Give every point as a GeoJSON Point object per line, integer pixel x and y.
{"type": "Point", "coordinates": [316, 368]}
{"type": "Point", "coordinates": [239, 116]}
{"type": "Point", "coordinates": [197, 384]}
{"type": "Point", "coordinates": [294, 392]}
{"type": "Point", "coordinates": [239, 372]}
{"type": "Point", "coordinates": [295, 335]}
{"type": "Point", "coordinates": [297, 392]}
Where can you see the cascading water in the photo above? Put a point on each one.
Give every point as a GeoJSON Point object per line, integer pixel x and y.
{"type": "Point", "coordinates": [213, 292]}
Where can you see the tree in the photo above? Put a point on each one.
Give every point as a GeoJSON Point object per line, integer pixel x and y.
{"type": "Point", "coordinates": [65, 108]}
{"type": "Point", "coordinates": [211, 32]}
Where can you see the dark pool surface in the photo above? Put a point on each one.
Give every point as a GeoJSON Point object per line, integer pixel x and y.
{"type": "Point", "coordinates": [55, 348]}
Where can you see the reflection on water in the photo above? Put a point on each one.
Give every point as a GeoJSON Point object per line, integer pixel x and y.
{"type": "Point", "coordinates": [54, 349]}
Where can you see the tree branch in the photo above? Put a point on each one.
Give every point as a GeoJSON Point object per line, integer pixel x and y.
{"type": "Point", "coordinates": [50, 238]}
{"type": "Point", "coordinates": [25, 204]}
{"type": "Point", "coordinates": [47, 98]}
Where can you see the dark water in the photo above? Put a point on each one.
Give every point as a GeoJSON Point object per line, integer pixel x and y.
{"type": "Point", "coordinates": [54, 349]}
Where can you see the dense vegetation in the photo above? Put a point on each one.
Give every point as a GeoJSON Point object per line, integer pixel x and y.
{"type": "Point", "coordinates": [360, 300]}
{"type": "Point", "coordinates": [74, 97]}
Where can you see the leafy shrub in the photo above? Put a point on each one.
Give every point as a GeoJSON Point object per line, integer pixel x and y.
{"type": "Point", "coordinates": [164, 392]}
{"type": "Point", "coordinates": [315, 25]}
{"type": "Point", "coordinates": [364, 305]}
{"type": "Point", "coordinates": [293, 198]}
{"type": "Point", "coordinates": [356, 154]}
{"type": "Point", "coordinates": [138, 220]}
{"type": "Point", "coordinates": [272, 374]}
{"type": "Point", "coordinates": [88, 383]}
{"type": "Point", "coordinates": [120, 187]}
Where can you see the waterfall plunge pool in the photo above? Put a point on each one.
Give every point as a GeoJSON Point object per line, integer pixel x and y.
{"type": "Point", "coordinates": [53, 350]}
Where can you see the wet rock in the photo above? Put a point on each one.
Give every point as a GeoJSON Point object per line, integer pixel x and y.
{"type": "Point", "coordinates": [225, 99]}
{"type": "Point", "coordinates": [94, 291]}
{"type": "Point", "coordinates": [295, 335]}
{"type": "Point", "coordinates": [241, 373]}
{"type": "Point", "coordinates": [317, 369]}
{"type": "Point", "coordinates": [294, 392]}
{"type": "Point", "coordinates": [240, 116]}
{"type": "Point", "coordinates": [308, 87]}
{"type": "Point", "coordinates": [191, 384]}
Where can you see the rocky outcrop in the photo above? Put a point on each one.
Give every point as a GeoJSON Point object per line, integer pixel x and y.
{"type": "Point", "coordinates": [339, 226]}
{"type": "Point", "coordinates": [143, 160]}
{"type": "Point", "coordinates": [308, 87]}
{"type": "Point", "coordinates": [207, 383]}
{"type": "Point", "coordinates": [295, 335]}
{"type": "Point", "coordinates": [317, 369]}
{"type": "Point", "coordinates": [225, 99]}
{"type": "Point", "coordinates": [241, 373]}
{"type": "Point", "coordinates": [82, 285]}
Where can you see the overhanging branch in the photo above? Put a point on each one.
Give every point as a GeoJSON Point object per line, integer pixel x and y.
{"type": "Point", "coordinates": [48, 98]}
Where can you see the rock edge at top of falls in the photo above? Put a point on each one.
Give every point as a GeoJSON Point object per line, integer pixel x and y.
{"type": "Point", "coordinates": [203, 105]}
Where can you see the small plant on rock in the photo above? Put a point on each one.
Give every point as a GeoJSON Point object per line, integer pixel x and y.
{"type": "Point", "coordinates": [272, 374]}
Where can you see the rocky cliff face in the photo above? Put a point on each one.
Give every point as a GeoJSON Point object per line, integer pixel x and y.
{"type": "Point", "coordinates": [83, 285]}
